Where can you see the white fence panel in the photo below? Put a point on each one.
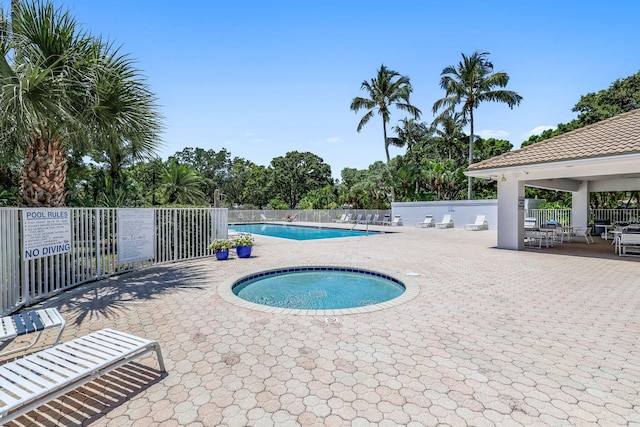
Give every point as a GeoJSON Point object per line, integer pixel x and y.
{"type": "Point", "coordinates": [180, 234]}
{"type": "Point", "coordinates": [9, 259]}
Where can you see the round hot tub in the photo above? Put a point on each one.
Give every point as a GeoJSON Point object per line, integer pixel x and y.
{"type": "Point", "coordinates": [318, 288]}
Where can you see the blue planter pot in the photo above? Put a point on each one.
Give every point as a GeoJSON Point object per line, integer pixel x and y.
{"type": "Point", "coordinates": [243, 251]}
{"type": "Point", "coordinates": [220, 255]}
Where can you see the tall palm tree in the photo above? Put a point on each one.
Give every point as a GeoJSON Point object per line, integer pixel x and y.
{"type": "Point", "coordinates": [385, 90]}
{"type": "Point", "coordinates": [409, 132]}
{"type": "Point", "coordinates": [49, 95]}
{"type": "Point", "coordinates": [451, 132]}
{"type": "Point", "coordinates": [470, 83]}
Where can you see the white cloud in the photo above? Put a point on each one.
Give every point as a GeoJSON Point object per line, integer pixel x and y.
{"type": "Point", "coordinates": [257, 141]}
{"type": "Point", "coordinates": [536, 131]}
{"type": "Point", "coordinates": [490, 133]}
{"type": "Point", "coordinates": [333, 140]}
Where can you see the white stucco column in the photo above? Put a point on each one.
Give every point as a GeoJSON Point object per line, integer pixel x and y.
{"type": "Point", "coordinates": [510, 213]}
{"type": "Point", "coordinates": [580, 205]}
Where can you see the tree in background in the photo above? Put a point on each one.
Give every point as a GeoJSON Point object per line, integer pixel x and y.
{"type": "Point", "coordinates": [385, 90]}
{"type": "Point", "coordinates": [297, 173]}
{"type": "Point", "coordinates": [470, 83]}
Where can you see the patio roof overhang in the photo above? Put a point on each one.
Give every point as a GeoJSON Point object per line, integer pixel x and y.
{"type": "Point", "coordinates": [606, 173]}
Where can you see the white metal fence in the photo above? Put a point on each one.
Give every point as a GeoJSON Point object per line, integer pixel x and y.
{"type": "Point", "coordinates": [616, 215]}
{"type": "Point", "coordinates": [544, 216]}
{"type": "Point", "coordinates": [180, 234]}
{"type": "Point", "coordinates": [563, 216]}
{"type": "Point", "coordinates": [316, 215]}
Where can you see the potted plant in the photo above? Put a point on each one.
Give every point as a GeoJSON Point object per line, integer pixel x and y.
{"type": "Point", "coordinates": [221, 248]}
{"type": "Point", "coordinates": [243, 243]}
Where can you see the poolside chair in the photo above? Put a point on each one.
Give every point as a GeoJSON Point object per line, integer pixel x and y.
{"type": "Point", "coordinates": [290, 218]}
{"type": "Point", "coordinates": [30, 322]}
{"type": "Point", "coordinates": [33, 380]}
{"type": "Point", "coordinates": [264, 218]}
{"type": "Point", "coordinates": [358, 219]}
{"type": "Point", "coordinates": [427, 223]}
{"type": "Point", "coordinates": [480, 224]}
{"type": "Point", "coordinates": [386, 220]}
{"type": "Point", "coordinates": [367, 220]}
{"type": "Point", "coordinates": [397, 221]}
{"type": "Point", "coordinates": [446, 222]}
{"type": "Point", "coordinates": [341, 219]}
{"type": "Point", "coordinates": [376, 219]}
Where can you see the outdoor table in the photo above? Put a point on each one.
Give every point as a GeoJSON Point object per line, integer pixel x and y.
{"type": "Point", "coordinates": [606, 227]}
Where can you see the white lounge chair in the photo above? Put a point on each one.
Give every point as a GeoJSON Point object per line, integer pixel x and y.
{"type": "Point", "coordinates": [30, 322]}
{"type": "Point", "coordinates": [358, 219]}
{"type": "Point", "coordinates": [427, 223]}
{"type": "Point", "coordinates": [397, 220]}
{"type": "Point", "coordinates": [367, 220]}
{"type": "Point", "coordinates": [446, 222]}
{"type": "Point", "coordinates": [341, 219]}
{"type": "Point", "coordinates": [480, 224]}
{"type": "Point", "coordinates": [31, 381]}
{"type": "Point", "coordinates": [376, 219]}
{"type": "Point", "coordinates": [264, 218]}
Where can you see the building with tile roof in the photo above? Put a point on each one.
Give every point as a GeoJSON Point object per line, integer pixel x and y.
{"type": "Point", "coordinates": [604, 156]}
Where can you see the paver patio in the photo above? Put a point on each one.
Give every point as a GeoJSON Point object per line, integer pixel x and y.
{"type": "Point", "coordinates": [494, 337]}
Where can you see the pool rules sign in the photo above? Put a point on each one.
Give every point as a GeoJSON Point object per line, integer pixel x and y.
{"type": "Point", "coordinates": [45, 232]}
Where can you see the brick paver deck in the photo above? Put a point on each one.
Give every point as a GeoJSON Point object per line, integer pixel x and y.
{"type": "Point", "coordinates": [494, 337]}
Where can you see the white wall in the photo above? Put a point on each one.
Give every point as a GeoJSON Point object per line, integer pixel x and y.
{"type": "Point", "coordinates": [462, 211]}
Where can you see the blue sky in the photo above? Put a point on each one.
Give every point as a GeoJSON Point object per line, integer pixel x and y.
{"type": "Point", "coordinates": [261, 78]}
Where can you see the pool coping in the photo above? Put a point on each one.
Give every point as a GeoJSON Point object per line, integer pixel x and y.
{"type": "Point", "coordinates": [361, 232]}
{"type": "Point", "coordinates": [225, 291]}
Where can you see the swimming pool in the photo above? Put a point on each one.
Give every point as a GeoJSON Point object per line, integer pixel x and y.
{"type": "Point", "coordinates": [318, 288]}
{"type": "Point", "coordinates": [297, 232]}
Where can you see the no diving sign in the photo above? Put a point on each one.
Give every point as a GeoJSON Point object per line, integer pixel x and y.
{"type": "Point", "coordinates": [45, 232]}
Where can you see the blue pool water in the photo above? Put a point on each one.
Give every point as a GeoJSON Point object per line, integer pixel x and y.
{"type": "Point", "coordinates": [297, 232]}
{"type": "Point", "coordinates": [318, 288]}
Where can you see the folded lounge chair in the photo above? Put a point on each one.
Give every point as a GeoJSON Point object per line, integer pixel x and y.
{"type": "Point", "coordinates": [480, 224]}
{"type": "Point", "coordinates": [427, 223]}
{"type": "Point", "coordinates": [31, 381]}
{"type": "Point", "coordinates": [447, 222]}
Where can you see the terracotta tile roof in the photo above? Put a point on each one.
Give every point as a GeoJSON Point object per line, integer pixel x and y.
{"type": "Point", "coordinates": [616, 135]}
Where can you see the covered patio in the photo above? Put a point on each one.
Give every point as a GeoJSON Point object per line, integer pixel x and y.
{"type": "Point", "coordinates": [601, 157]}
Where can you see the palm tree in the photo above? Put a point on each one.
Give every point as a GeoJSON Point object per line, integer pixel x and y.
{"type": "Point", "coordinates": [182, 184]}
{"type": "Point", "coordinates": [451, 132]}
{"type": "Point", "coordinates": [470, 83]}
{"type": "Point", "coordinates": [409, 132]}
{"type": "Point", "coordinates": [124, 117]}
{"type": "Point", "coordinates": [49, 94]}
{"type": "Point", "coordinates": [385, 90]}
